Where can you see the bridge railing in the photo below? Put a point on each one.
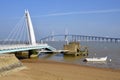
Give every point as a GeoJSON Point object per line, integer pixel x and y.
{"type": "Point", "coordinates": [7, 47]}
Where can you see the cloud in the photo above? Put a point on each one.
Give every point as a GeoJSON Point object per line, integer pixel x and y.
{"type": "Point", "coordinates": [84, 12]}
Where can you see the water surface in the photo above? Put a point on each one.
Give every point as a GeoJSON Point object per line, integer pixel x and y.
{"type": "Point", "coordinates": [96, 49]}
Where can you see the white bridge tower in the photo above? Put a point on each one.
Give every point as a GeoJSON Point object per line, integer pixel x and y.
{"type": "Point", "coordinates": [31, 33]}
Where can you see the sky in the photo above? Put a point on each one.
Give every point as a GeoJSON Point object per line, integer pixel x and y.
{"type": "Point", "coordinates": [81, 17]}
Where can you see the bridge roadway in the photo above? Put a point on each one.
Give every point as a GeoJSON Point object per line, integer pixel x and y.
{"type": "Point", "coordinates": [23, 47]}
{"type": "Point", "coordinates": [81, 38]}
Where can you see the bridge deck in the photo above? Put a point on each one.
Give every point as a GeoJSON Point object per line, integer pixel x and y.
{"type": "Point", "coordinates": [15, 48]}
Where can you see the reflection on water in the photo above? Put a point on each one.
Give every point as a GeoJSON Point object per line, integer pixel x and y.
{"type": "Point", "coordinates": [96, 49]}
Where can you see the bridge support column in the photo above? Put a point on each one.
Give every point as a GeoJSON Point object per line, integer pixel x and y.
{"type": "Point", "coordinates": [30, 52]}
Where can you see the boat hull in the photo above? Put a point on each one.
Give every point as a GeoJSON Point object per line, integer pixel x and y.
{"type": "Point", "coordinates": [96, 59]}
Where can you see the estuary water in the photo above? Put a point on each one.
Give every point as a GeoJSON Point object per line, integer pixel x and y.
{"type": "Point", "coordinates": [96, 49]}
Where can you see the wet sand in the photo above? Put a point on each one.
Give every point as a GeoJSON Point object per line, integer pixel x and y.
{"type": "Point", "coordinates": [51, 70]}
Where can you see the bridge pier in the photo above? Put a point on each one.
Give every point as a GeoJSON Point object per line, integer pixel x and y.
{"type": "Point", "coordinates": [66, 38]}
{"type": "Point", "coordinates": [30, 52]}
{"type": "Point", "coordinates": [116, 40]}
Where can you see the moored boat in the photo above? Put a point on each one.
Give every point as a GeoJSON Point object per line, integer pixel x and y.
{"type": "Point", "coordinates": [96, 59]}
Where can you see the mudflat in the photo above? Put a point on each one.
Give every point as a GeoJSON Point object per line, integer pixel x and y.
{"type": "Point", "coordinates": [50, 70]}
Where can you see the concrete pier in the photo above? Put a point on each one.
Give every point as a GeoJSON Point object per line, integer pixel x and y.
{"type": "Point", "coordinates": [30, 52]}
{"type": "Point", "coordinates": [74, 48]}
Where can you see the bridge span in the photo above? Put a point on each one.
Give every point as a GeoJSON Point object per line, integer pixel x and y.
{"type": "Point", "coordinates": [72, 37]}
{"type": "Point", "coordinates": [19, 47]}
{"type": "Point", "coordinates": [9, 44]}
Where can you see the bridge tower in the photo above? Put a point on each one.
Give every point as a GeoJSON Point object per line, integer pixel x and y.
{"type": "Point", "coordinates": [66, 35]}
{"type": "Point", "coordinates": [52, 36]}
{"type": "Point", "coordinates": [31, 33]}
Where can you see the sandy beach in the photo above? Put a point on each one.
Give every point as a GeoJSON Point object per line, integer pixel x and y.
{"type": "Point", "coordinates": [51, 70]}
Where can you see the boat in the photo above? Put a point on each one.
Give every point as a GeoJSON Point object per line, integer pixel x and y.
{"type": "Point", "coordinates": [96, 59]}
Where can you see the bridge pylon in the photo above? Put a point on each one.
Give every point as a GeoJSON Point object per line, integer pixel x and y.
{"type": "Point", "coordinates": [31, 33]}
{"type": "Point", "coordinates": [66, 35]}
{"type": "Point", "coordinates": [52, 36]}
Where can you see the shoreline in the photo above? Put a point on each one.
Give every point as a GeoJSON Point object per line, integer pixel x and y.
{"type": "Point", "coordinates": [51, 70]}
{"type": "Point", "coordinates": [64, 63]}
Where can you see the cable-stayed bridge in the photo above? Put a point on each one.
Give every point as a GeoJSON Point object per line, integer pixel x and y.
{"type": "Point", "coordinates": [73, 37]}
{"type": "Point", "coordinates": [22, 38]}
